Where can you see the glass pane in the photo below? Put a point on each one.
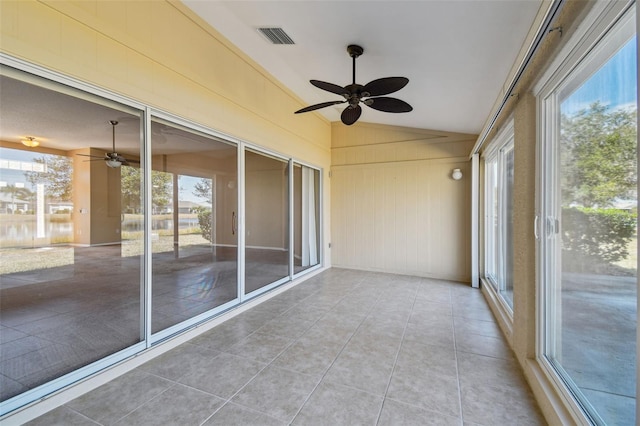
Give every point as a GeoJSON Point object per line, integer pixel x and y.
{"type": "Point", "coordinates": [267, 220]}
{"type": "Point", "coordinates": [194, 241]}
{"type": "Point", "coordinates": [69, 284]}
{"type": "Point", "coordinates": [306, 211]}
{"type": "Point", "coordinates": [506, 280]}
{"type": "Point", "coordinates": [595, 330]}
{"type": "Point", "coordinates": [492, 221]}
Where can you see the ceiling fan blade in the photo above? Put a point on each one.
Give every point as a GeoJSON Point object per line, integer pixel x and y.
{"type": "Point", "coordinates": [329, 87]}
{"type": "Point", "coordinates": [388, 104]}
{"type": "Point", "coordinates": [318, 106]}
{"type": "Point", "coordinates": [93, 156]}
{"type": "Point", "coordinates": [384, 86]}
{"type": "Point", "coordinates": [350, 115]}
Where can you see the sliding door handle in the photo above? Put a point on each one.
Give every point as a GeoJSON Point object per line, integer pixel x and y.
{"type": "Point", "coordinates": [233, 223]}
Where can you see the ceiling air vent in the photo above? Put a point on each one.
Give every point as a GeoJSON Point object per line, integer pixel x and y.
{"type": "Point", "coordinates": [276, 35]}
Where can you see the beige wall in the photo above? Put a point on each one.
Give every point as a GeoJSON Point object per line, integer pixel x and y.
{"type": "Point", "coordinates": [223, 172]}
{"type": "Point", "coordinates": [266, 202]}
{"type": "Point", "coordinates": [395, 207]}
{"type": "Point", "coordinates": [97, 200]}
{"type": "Point", "coordinates": [161, 54]}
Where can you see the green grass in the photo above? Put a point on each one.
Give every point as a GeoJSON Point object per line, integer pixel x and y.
{"type": "Point", "coordinates": [30, 259]}
{"type": "Point", "coordinates": [14, 260]}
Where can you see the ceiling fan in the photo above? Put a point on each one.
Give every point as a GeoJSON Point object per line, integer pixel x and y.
{"type": "Point", "coordinates": [112, 159]}
{"type": "Point", "coordinates": [355, 93]}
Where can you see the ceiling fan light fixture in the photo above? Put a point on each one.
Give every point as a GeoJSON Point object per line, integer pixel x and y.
{"type": "Point", "coordinates": [111, 159]}
{"type": "Point", "coordinates": [30, 141]}
{"type": "Point", "coordinates": [114, 164]}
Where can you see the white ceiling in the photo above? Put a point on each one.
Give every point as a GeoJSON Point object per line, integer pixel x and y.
{"type": "Point", "coordinates": [456, 53]}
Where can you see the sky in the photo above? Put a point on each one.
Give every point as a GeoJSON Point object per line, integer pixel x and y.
{"type": "Point", "coordinates": [614, 85]}
{"type": "Point", "coordinates": [187, 184]}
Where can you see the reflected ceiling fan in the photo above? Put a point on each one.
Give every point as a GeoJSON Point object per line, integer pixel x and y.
{"type": "Point", "coordinates": [356, 93]}
{"type": "Point", "coordinates": [112, 159]}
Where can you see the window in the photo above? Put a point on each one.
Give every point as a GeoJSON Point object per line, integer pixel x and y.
{"type": "Point", "coordinates": [194, 203]}
{"type": "Point", "coordinates": [499, 168]}
{"type": "Point", "coordinates": [588, 220]}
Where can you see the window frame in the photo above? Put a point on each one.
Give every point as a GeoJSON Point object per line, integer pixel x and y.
{"type": "Point", "coordinates": [584, 53]}
{"type": "Point", "coordinates": [495, 153]}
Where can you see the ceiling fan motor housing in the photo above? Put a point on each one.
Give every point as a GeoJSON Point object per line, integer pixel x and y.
{"type": "Point", "coordinates": [355, 50]}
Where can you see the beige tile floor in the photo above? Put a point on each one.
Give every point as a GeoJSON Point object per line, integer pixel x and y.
{"type": "Point", "coordinates": [342, 348]}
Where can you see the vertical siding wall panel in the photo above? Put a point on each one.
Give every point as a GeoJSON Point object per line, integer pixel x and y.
{"type": "Point", "coordinates": [368, 221]}
{"type": "Point", "coordinates": [395, 206]}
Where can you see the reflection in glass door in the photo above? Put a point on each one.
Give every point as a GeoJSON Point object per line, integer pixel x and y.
{"type": "Point", "coordinates": [267, 220]}
{"type": "Point", "coordinates": [194, 242]}
{"type": "Point", "coordinates": [70, 271]}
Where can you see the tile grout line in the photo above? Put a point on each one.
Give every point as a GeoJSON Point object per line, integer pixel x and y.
{"type": "Point", "coordinates": [337, 356]}
{"type": "Point", "coordinates": [395, 360]}
{"type": "Point", "coordinates": [455, 353]}
{"type": "Point", "coordinates": [118, 420]}
{"type": "Point", "coordinates": [272, 361]}
{"type": "Point", "coordinates": [226, 401]}
{"type": "Point", "coordinates": [82, 415]}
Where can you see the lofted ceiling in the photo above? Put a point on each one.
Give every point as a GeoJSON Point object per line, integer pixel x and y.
{"type": "Point", "coordinates": [456, 53]}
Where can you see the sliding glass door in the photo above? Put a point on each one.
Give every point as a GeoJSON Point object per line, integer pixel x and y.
{"type": "Point", "coordinates": [306, 217]}
{"type": "Point", "coordinates": [70, 268]}
{"type": "Point", "coordinates": [121, 225]}
{"type": "Point", "coordinates": [267, 220]}
{"type": "Point", "coordinates": [588, 227]}
{"type": "Point", "coordinates": [194, 240]}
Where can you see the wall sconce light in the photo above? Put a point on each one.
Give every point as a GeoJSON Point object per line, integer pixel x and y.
{"type": "Point", "coordinates": [30, 141]}
{"type": "Point", "coordinates": [456, 174]}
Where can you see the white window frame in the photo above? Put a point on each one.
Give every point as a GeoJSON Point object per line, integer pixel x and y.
{"type": "Point", "coordinates": [495, 153]}
{"type": "Point", "coordinates": [604, 24]}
